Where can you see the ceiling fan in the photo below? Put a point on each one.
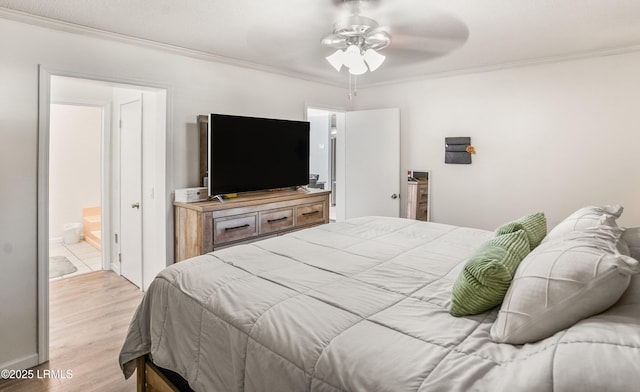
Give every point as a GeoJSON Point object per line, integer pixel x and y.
{"type": "Point", "coordinates": [358, 38]}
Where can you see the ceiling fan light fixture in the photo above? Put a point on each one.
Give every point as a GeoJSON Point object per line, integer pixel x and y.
{"type": "Point", "coordinates": [373, 59]}
{"type": "Point", "coordinates": [358, 67]}
{"type": "Point", "coordinates": [357, 39]}
{"type": "Point", "coordinates": [352, 56]}
{"type": "Point", "coordinates": [336, 59]}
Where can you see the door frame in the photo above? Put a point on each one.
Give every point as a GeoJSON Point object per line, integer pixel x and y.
{"type": "Point", "coordinates": [164, 164]}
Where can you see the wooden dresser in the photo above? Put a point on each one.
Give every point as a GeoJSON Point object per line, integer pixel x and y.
{"type": "Point", "coordinates": [204, 226]}
{"type": "Point", "coordinates": [417, 200]}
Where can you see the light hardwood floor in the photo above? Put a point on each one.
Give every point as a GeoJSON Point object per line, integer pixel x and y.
{"type": "Point", "coordinates": [89, 318]}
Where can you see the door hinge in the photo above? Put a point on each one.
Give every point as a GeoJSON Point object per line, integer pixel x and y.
{"type": "Point", "coordinates": [116, 235]}
{"type": "Point", "coordinates": [120, 124]}
{"type": "Point", "coordinates": [120, 257]}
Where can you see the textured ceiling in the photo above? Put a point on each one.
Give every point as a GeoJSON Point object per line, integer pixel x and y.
{"type": "Point", "coordinates": [428, 37]}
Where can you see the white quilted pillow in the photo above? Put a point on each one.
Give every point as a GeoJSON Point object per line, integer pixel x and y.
{"type": "Point", "coordinates": [561, 282]}
{"type": "Point", "coordinates": [585, 218]}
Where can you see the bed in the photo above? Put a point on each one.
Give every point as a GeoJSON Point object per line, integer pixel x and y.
{"type": "Point", "coordinates": [362, 305]}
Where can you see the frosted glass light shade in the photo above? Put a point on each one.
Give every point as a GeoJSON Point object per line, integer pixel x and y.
{"type": "Point", "coordinates": [358, 67]}
{"type": "Point", "coordinates": [353, 60]}
{"type": "Point", "coordinates": [357, 62]}
{"type": "Point", "coordinates": [373, 59]}
{"type": "Point", "coordinates": [352, 56]}
{"type": "Point", "coordinates": [336, 59]}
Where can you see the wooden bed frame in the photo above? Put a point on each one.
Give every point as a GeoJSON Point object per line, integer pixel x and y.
{"type": "Point", "coordinates": [150, 378]}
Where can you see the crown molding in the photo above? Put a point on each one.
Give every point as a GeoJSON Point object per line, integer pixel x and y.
{"type": "Point", "coordinates": [511, 64]}
{"type": "Point", "coordinates": [40, 21]}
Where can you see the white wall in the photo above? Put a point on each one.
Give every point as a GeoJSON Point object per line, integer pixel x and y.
{"type": "Point", "coordinates": [551, 137]}
{"type": "Point", "coordinates": [195, 87]}
{"type": "Point", "coordinates": [74, 164]}
{"type": "Point", "coordinates": [80, 91]}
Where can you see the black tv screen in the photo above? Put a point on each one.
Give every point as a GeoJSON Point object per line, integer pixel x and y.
{"type": "Point", "coordinates": [250, 153]}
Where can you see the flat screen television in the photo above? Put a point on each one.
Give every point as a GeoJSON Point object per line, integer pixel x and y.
{"type": "Point", "coordinates": [251, 153]}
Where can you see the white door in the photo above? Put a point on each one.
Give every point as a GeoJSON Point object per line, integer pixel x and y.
{"type": "Point", "coordinates": [131, 191]}
{"type": "Point", "coordinates": [372, 163]}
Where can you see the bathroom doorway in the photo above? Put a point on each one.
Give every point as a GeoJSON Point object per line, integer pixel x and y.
{"type": "Point", "coordinates": [64, 90]}
{"type": "Point", "coordinates": [75, 187]}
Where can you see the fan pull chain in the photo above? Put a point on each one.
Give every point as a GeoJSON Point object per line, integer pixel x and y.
{"type": "Point", "coordinates": [353, 86]}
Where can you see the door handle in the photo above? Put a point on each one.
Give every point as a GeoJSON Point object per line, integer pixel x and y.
{"type": "Point", "coordinates": [394, 196]}
{"type": "Point", "coordinates": [135, 205]}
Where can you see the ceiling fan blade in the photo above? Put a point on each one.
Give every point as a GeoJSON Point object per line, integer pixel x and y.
{"type": "Point", "coordinates": [430, 35]}
{"type": "Point", "coordinates": [334, 41]}
{"type": "Point", "coordinates": [377, 39]}
{"type": "Point", "coordinates": [429, 32]}
{"type": "Point", "coordinates": [428, 44]}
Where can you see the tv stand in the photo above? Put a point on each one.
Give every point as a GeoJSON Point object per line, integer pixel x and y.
{"type": "Point", "coordinates": [205, 226]}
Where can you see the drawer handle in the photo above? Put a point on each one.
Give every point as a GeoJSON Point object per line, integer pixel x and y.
{"type": "Point", "coordinates": [276, 220]}
{"type": "Point", "coordinates": [311, 213]}
{"type": "Point", "coordinates": [236, 227]}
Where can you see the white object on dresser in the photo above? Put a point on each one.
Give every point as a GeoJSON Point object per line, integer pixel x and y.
{"type": "Point", "coordinates": [190, 195]}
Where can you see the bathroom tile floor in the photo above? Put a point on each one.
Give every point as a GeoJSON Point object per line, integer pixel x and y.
{"type": "Point", "coordinates": [85, 257]}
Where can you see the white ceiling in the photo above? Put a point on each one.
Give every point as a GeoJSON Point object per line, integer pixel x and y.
{"type": "Point", "coordinates": [284, 35]}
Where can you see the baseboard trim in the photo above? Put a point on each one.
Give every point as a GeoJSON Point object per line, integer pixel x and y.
{"type": "Point", "coordinates": [22, 363]}
{"type": "Point", "coordinates": [115, 268]}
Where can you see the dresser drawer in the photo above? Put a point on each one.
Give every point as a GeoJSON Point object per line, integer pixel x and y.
{"type": "Point", "coordinates": [234, 228]}
{"type": "Point", "coordinates": [275, 220]}
{"type": "Point", "coordinates": [310, 214]}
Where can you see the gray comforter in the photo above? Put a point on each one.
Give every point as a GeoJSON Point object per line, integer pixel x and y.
{"type": "Point", "coordinates": [361, 305]}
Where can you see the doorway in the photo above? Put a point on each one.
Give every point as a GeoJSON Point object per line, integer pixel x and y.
{"type": "Point", "coordinates": [323, 154]}
{"type": "Point", "coordinates": [75, 188]}
{"type": "Point", "coordinates": [362, 159]}
{"type": "Point", "coordinates": [66, 88]}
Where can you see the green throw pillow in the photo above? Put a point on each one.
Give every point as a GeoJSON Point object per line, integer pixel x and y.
{"type": "Point", "coordinates": [486, 277]}
{"type": "Point", "coordinates": [534, 225]}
